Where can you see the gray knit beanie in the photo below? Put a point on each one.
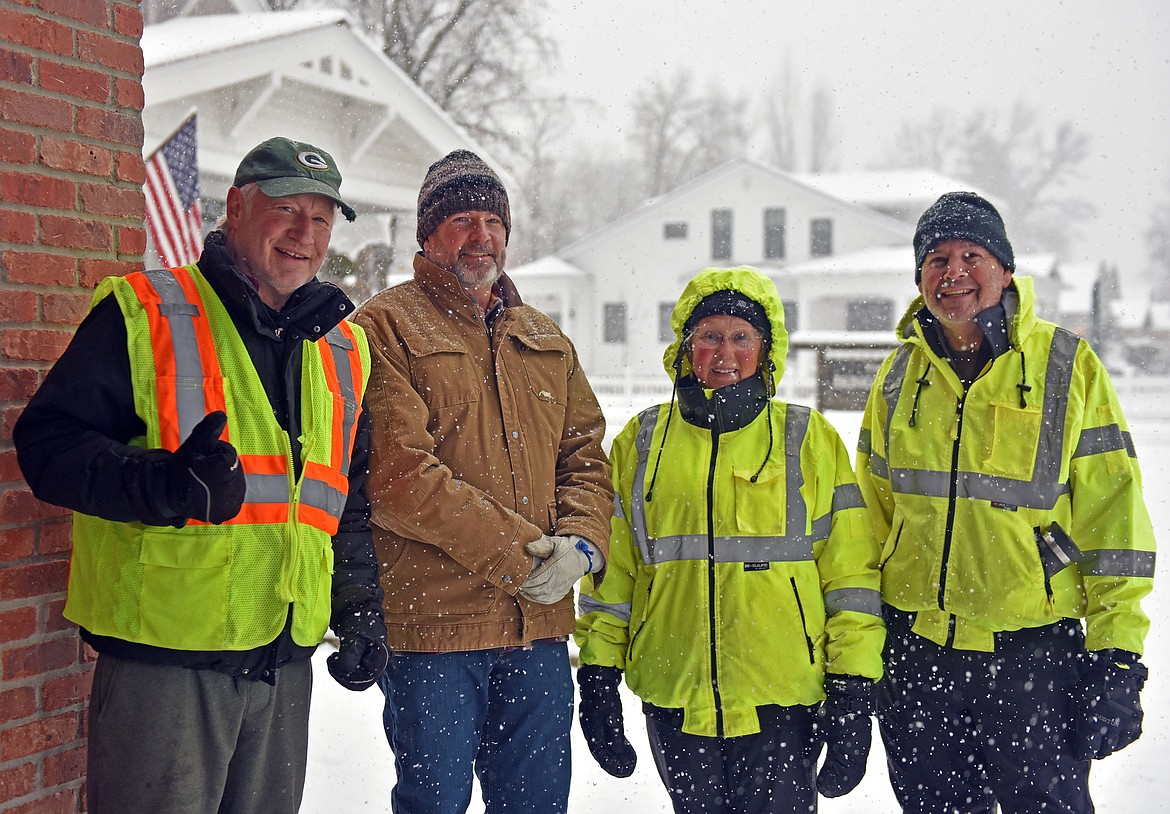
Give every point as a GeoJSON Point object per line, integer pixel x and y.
{"type": "Point", "coordinates": [961, 216]}
{"type": "Point", "coordinates": [460, 182]}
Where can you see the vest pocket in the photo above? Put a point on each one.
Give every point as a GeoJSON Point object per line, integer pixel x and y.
{"type": "Point", "coordinates": [1014, 435]}
{"type": "Point", "coordinates": [183, 601]}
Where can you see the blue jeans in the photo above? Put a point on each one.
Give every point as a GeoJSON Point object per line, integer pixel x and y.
{"type": "Point", "coordinates": [504, 712]}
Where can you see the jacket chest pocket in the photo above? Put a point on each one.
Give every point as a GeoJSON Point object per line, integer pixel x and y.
{"type": "Point", "coordinates": [448, 378]}
{"type": "Point", "coordinates": [1012, 439]}
{"type": "Point", "coordinates": [544, 363]}
{"type": "Point", "coordinates": [760, 506]}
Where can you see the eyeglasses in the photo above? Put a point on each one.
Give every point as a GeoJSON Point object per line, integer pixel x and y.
{"type": "Point", "coordinates": [739, 340]}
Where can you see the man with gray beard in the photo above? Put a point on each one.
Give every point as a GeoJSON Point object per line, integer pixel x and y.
{"type": "Point", "coordinates": [491, 497]}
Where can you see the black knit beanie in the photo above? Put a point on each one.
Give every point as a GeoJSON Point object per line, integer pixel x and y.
{"type": "Point", "coordinates": [460, 182]}
{"type": "Point", "coordinates": [732, 303]}
{"type": "Point", "coordinates": [961, 216]}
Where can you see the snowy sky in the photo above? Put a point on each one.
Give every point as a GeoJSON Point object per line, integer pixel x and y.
{"type": "Point", "coordinates": [1104, 66]}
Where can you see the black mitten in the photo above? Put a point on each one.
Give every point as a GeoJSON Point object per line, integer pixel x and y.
{"type": "Point", "coordinates": [844, 719]}
{"type": "Point", "coordinates": [358, 662]}
{"type": "Point", "coordinates": [204, 478]}
{"type": "Point", "coordinates": [1109, 710]}
{"type": "Point", "coordinates": [601, 720]}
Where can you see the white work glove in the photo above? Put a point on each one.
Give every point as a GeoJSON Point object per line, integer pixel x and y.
{"type": "Point", "coordinates": [559, 563]}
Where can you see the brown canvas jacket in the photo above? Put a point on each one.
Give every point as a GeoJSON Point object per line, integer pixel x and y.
{"type": "Point", "coordinates": [480, 443]}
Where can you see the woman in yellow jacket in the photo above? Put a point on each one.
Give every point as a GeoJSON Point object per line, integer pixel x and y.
{"type": "Point", "coordinates": [742, 585]}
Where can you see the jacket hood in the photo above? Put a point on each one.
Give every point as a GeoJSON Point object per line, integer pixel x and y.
{"type": "Point", "coordinates": [1019, 300]}
{"type": "Point", "coordinates": [750, 282]}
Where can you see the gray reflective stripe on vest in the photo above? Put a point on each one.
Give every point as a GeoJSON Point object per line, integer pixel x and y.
{"type": "Point", "coordinates": [861, 600]}
{"type": "Point", "coordinates": [322, 496]}
{"type": "Point", "coordinates": [1114, 563]}
{"type": "Point", "coordinates": [847, 496]}
{"type": "Point", "coordinates": [1043, 490]}
{"type": "Point", "coordinates": [794, 546]}
{"type": "Point", "coordinates": [587, 604]}
{"type": "Point", "coordinates": [180, 314]}
{"type": "Point", "coordinates": [266, 488]}
{"type": "Point", "coordinates": [1099, 440]}
{"type": "Point", "coordinates": [339, 346]}
{"type": "Point", "coordinates": [617, 506]}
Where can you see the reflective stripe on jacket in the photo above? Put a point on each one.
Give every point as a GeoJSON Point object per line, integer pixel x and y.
{"type": "Point", "coordinates": [238, 578]}
{"type": "Point", "coordinates": [732, 586]}
{"type": "Point", "coordinates": [959, 483]}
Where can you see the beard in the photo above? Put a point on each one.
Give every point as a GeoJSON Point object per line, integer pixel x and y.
{"type": "Point", "coordinates": [474, 272]}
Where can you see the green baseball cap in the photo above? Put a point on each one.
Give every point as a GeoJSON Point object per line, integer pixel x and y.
{"type": "Point", "coordinates": [284, 167]}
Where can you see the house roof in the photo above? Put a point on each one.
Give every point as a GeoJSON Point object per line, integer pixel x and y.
{"type": "Point", "coordinates": [547, 266]}
{"type": "Point", "coordinates": [910, 190]}
{"type": "Point", "coordinates": [886, 259]}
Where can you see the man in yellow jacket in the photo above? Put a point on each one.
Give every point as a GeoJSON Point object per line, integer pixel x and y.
{"type": "Point", "coordinates": [1002, 479]}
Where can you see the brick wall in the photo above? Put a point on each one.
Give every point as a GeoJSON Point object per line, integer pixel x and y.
{"type": "Point", "coordinates": [71, 212]}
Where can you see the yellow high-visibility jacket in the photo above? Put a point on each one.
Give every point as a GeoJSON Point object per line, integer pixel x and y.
{"type": "Point", "coordinates": [964, 488]}
{"type": "Point", "coordinates": [724, 592]}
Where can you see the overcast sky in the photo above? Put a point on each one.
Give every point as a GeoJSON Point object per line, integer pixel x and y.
{"type": "Point", "coordinates": [1104, 66]}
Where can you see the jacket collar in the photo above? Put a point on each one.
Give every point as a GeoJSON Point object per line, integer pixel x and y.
{"type": "Point", "coordinates": [312, 311]}
{"type": "Point", "coordinates": [444, 289]}
{"type": "Point", "coordinates": [728, 408]}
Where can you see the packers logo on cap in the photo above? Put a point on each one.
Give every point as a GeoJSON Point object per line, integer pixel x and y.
{"type": "Point", "coordinates": [312, 161]}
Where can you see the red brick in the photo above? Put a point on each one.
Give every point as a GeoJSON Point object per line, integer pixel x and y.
{"type": "Point", "coordinates": [39, 736]}
{"type": "Point", "coordinates": [106, 199]}
{"type": "Point", "coordinates": [128, 21]}
{"type": "Point", "coordinates": [16, 544]}
{"type": "Point", "coordinates": [33, 345]}
{"type": "Point", "coordinates": [72, 80]}
{"type": "Point", "coordinates": [15, 66]}
{"type": "Point", "coordinates": [34, 580]}
{"type": "Point", "coordinates": [17, 306]}
{"type": "Point", "coordinates": [65, 309]}
{"type": "Point", "coordinates": [42, 657]}
{"type": "Point", "coordinates": [9, 471]}
{"type": "Point", "coordinates": [18, 624]}
{"type": "Point", "coordinates": [106, 125]}
{"type": "Point", "coordinates": [75, 233]}
{"type": "Point", "coordinates": [64, 154]}
{"type": "Point", "coordinates": [17, 383]}
{"type": "Point", "coordinates": [129, 94]}
{"type": "Point", "coordinates": [17, 703]}
{"type": "Point", "coordinates": [17, 147]}
{"type": "Point", "coordinates": [17, 227]}
{"type": "Point", "coordinates": [40, 269]}
{"type": "Point", "coordinates": [18, 505]}
{"type": "Point", "coordinates": [130, 167]}
{"type": "Point", "coordinates": [34, 109]}
{"type": "Point", "coordinates": [38, 190]}
{"type": "Point", "coordinates": [120, 55]}
{"type": "Point", "coordinates": [36, 32]}
{"type": "Point", "coordinates": [64, 767]}
{"type": "Point", "coordinates": [94, 271]}
{"type": "Point", "coordinates": [67, 690]}
{"type": "Point", "coordinates": [60, 802]}
{"type": "Point", "coordinates": [56, 537]}
{"type": "Point", "coordinates": [131, 240]}
{"type": "Point", "coordinates": [8, 419]}
{"type": "Point", "coordinates": [18, 781]}
{"type": "Point", "coordinates": [55, 621]}
{"type": "Point", "coordinates": [87, 11]}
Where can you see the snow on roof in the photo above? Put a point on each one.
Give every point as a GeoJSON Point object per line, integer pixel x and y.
{"type": "Point", "coordinates": [185, 37]}
{"type": "Point", "coordinates": [906, 188]}
{"type": "Point", "coordinates": [1076, 293]}
{"type": "Point", "coordinates": [547, 266]}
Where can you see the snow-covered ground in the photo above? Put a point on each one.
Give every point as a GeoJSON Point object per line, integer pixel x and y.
{"type": "Point", "coordinates": [351, 769]}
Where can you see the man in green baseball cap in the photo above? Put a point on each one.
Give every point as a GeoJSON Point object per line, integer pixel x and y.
{"type": "Point", "coordinates": [283, 167]}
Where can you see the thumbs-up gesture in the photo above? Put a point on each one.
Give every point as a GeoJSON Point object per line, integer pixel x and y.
{"type": "Point", "coordinates": [204, 479]}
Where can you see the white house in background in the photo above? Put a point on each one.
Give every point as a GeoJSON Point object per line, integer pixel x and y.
{"type": "Point", "coordinates": [310, 75]}
{"type": "Point", "coordinates": [613, 290]}
{"type": "Point", "coordinates": [903, 194]}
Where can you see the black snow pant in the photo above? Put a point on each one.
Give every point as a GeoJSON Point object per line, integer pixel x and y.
{"type": "Point", "coordinates": [772, 772]}
{"type": "Point", "coordinates": [965, 730]}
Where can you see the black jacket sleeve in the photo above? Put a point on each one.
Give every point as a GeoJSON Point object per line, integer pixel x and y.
{"type": "Point", "coordinates": [357, 593]}
{"type": "Point", "coordinates": [72, 438]}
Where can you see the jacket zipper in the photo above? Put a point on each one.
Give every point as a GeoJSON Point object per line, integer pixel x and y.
{"type": "Point", "coordinates": [711, 623]}
{"type": "Point", "coordinates": [894, 550]}
{"type": "Point", "coordinates": [951, 502]}
{"type": "Point", "coordinates": [803, 622]}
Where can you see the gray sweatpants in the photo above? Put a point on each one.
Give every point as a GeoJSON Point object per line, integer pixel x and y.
{"type": "Point", "coordinates": [181, 741]}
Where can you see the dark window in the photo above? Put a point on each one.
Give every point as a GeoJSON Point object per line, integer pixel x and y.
{"type": "Point", "coordinates": [820, 237]}
{"type": "Point", "coordinates": [775, 222]}
{"type": "Point", "coordinates": [869, 315]}
{"type": "Point", "coordinates": [791, 315]}
{"type": "Point", "coordinates": [614, 322]}
{"type": "Point", "coordinates": [665, 332]}
{"type": "Point", "coordinates": [720, 234]}
{"type": "Point", "coordinates": [675, 231]}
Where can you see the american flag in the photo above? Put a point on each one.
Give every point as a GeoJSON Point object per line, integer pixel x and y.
{"type": "Point", "coordinates": [173, 217]}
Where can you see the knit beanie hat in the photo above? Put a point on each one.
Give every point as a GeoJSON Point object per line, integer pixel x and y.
{"type": "Point", "coordinates": [961, 216]}
{"type": "Point", "coordinates": [732, 303]}
{"type": "Point", "coordinates": [460, 182]}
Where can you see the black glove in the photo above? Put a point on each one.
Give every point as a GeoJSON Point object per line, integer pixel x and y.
{"type": "Point", "coordinates": [1109, 710]}
{"type": "Point", "coordinates": [844, 719]}
{"type": "Point", "coordinates": [601, 719]}
{"type": "Point", "coordinates": [358, 662]}
{"type": "Point", "coordinates": [204, 478]}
